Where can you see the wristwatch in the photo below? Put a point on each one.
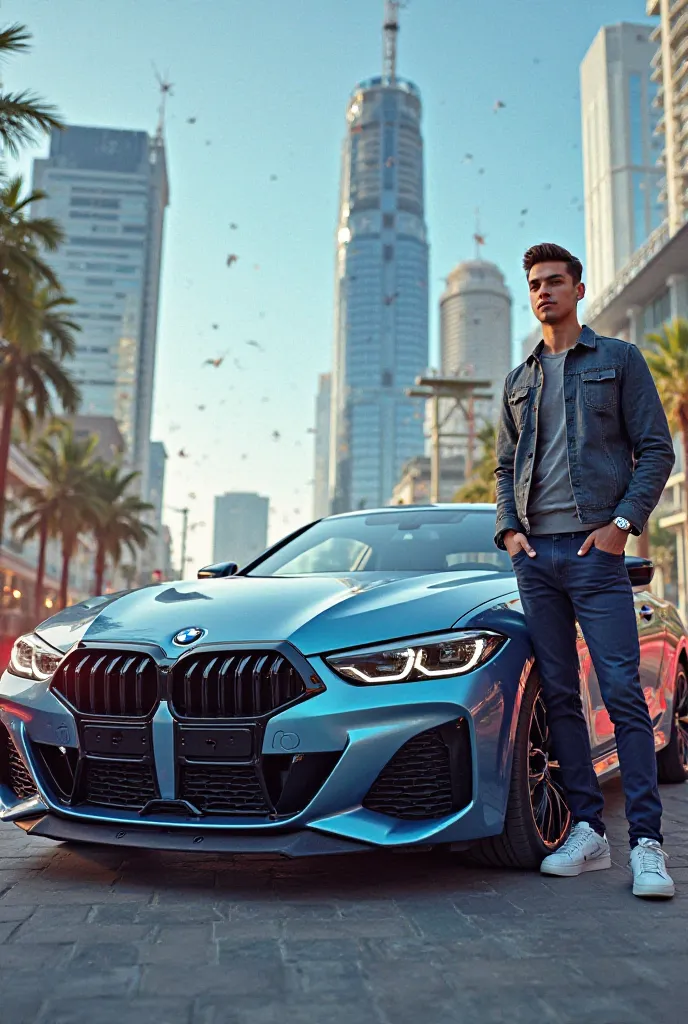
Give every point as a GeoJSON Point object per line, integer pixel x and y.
{"type": "Point", "coordinates": [622, 523]}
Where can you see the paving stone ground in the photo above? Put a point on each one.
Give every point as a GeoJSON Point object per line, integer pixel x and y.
{"type": "Point", "coordinates": [92, 935]}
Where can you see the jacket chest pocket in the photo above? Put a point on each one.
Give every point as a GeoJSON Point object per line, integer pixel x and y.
{"type": "Point", "coordinates": [518, 403]}
{"type": "Point", "coordinates": [599, 388]}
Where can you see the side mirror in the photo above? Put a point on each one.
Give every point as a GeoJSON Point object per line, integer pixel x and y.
{"type": "Point", "coordinates": [217, 571]}
{"type": "Point", "coordinates": [640, 570]}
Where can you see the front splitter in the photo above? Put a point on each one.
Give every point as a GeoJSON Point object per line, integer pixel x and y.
{"type": "Point", "coordinates": [304, 843]}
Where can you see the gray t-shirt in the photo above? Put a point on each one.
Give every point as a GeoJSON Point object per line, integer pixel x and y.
{"type": "Point", "coordinates": [551, 505]}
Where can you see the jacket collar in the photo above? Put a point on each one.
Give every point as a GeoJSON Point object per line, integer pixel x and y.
{"type": "Point", "coordinates": [586, 337]}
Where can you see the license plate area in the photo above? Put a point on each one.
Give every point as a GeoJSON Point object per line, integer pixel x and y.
{"type": "Point", "coordinates": [209, 744]}
{"type": "Point", "coordinates": [116, 740]}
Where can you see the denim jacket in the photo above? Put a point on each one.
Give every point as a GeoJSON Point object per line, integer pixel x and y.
{"type": "Point", "coordinates": [619, 446]}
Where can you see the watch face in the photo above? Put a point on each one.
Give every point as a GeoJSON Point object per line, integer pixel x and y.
{"type": "Point", "coordinates": [622, 523]}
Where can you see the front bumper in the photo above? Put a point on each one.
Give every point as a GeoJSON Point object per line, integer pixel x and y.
{"type": "Point", "coordinates": [362, 728]}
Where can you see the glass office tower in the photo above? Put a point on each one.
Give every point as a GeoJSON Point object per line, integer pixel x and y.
{"type": "Point", "coordinates": [381, 295]}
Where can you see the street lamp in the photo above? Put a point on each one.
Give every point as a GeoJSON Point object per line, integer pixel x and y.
{"type": "Point", "coordinates": [464, 392]}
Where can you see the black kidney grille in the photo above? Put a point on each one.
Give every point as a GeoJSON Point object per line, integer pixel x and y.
{"type": "Point", "coordinates": [228, 789]}
{"type": "Point", "coordinates": [234, 684]}
{"type": "Point", "coordinates": [118, 683]}
{"type": "Point", "coordinates": [19, 778]}
{"type": "Point", "coordinates": [429, 777]}
{"type": "Point", "coordinates": [118, 783]}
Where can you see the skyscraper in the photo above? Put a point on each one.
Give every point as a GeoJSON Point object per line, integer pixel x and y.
{"type": "Point", "coordinates": [321, 505]}
{"type": "Point", "coordinates": [670, 77]}
{"type": "Point", "coordinates": [381, 288]}
{"type": "Point", "coordinates": [240, 530]}
{"type": "Point", "coordinates": [108, 190]}
{"type": "Point", "coordinates": [475, 328]}
{"type": "Point", "coordinates": [622, 181]}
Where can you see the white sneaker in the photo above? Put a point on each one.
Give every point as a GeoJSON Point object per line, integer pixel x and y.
{"type": "Point", "coordinates": [650, 876]}
{"type": "Point", "coordinates": [584, 850]}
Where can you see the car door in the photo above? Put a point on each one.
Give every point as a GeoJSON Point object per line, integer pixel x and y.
{"type": "Point", "coordinates": [650, 626]}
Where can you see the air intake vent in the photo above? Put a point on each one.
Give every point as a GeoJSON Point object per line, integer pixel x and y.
{"type": "Point", "coordinates": [429, 777]}
{"type": "Point", "coordinates": [228, 789]}
{"type": "Point", "coordinates": [120, 783]}
{"type": "Point", "coordinates": [17, 776]}
{"type": "Point", "coordinates": [118, 683]}
{"type": "Point", "coordinates": [234, 684]}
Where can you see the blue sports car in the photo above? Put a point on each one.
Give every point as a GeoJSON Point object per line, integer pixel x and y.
{"type": "Point", "coordinates": [368, 682]}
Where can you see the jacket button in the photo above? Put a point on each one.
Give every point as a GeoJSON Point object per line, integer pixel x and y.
{"type": "Point", "coordinates": [530, 455]}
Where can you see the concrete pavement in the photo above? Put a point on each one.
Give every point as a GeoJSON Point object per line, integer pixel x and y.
{"type": "Point", "coordinates": [98, 936]}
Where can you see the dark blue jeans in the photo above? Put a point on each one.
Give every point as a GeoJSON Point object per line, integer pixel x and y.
{"type": "Point", "coordinates": [558, 587]}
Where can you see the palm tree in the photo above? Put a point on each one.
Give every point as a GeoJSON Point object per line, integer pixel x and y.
{"type": "Point", "coordinates": [22, 115]}
{"type": "Point", "coordinates": [481, 486]}
{"type": "Point", "coordinates": [667, 356]}
{"type": "Point", "coordinates": [22, 240]}
{"type": "Point", "coordinates": [30, 368]}
{"type": "Point", "coordinates": [119, 524]}
{"type": "Point", "coordinates": [69, 506]}
{"type": "Point", "coordinates": [41, 516]}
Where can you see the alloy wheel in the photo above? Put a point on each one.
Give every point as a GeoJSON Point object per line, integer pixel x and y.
{"type": "Point", "coordinates": [681, 717]}
{"type": "Point", "coordinates": [550, 811]}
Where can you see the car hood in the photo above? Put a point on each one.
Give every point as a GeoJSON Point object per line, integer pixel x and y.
{"type": "Point", "coordinates": [314, 613]}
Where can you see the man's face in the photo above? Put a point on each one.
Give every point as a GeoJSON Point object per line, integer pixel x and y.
{"type": "Point", "coordinates": [553, 293]}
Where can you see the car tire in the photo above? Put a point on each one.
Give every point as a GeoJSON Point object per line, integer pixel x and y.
{"type": "Point", "coordinates": [672, 760]}
{"type": "Point", "coordinates": [528, 837]}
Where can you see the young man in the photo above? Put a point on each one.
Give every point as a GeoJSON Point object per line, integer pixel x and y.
{"type": "Point", "coordinates": [583, 454]}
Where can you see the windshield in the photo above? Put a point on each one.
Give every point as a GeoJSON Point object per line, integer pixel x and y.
{"type": "Point", "coordinates": [422, 541]}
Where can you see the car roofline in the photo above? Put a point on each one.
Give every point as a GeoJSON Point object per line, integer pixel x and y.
{"type": "Point", "coordinates": [453, 506]}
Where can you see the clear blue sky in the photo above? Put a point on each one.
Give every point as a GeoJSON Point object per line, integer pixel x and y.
{"type": "Point", "coordinates": [268, 82]}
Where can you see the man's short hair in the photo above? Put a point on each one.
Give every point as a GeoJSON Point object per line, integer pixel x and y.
{"type": "Point", "coordinates": [550, 252]}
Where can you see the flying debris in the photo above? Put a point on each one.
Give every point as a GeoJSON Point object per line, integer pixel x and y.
{"type": "Point", "coordinates": [255, 344]}
{"type": "Point", "coordinates": [481, 170]}
{"type": "Point", "coordinates": [238, 364]}
{"type": "Point", "coordinates": [192, 495]}
{"type": "Point", "coordinates": [297, 511]}
{"type": "Point", "coordinates": [182, 454]}
{"type": "Point", "coordinates": [191, 120]}
{"type": "Point", "coordinates": [200, 408]}
{"type": "Point", "coordinates": [467, 157]}
{"type": "Point", "coordinates": [214, 362]}
{"type": "Point", "coordinates": [389, 299]}
{"type": "Point", "coordinates": [276, 435]}
{"type": "Point", "coordinates": [499, 105]}
{"type": "Point", "coordinates": [256, 266]}
{"type": "Point", "coordinates": [265, 398]}
{"type": "Point", "coordinates": [233, 227]}
{"type": "Point", "coordinates": [214, 326]}
{"type": "Point", "coordinates": [311, 430]}
{"type": "Point", "coordinates": [232, 258]}
{"type": "Point", "coordinates": [547, 188]}
{"type": "Point", "coordinates": [262, 316]}
{"type": "Point", "coordinates": [524, 212]}
{"type": "Point", "coordinates": [208, 142]}
{"type": "Point", "coordinates": [173, 426]}
{"type": "Point", "coordinates": [273, 177]}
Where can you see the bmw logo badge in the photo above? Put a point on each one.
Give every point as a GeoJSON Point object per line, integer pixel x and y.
{"type": "Point", "coordinates": [188, 636]}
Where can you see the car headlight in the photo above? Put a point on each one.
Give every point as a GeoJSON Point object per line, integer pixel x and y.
{"type": "Point", "coordinates": [432, 658]}
{"type": "Point", "coordinates": [34, 658]}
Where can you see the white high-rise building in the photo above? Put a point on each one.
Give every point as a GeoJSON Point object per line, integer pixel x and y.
{"type": "Point", "coordinates": [240, 530]}
{"type": "Point", "coordinates": [475, 329]}
{"type": "Point", "coordinates": [108, 190]}
{"type": "Point", "coordinates": [321, 502]}
{"type": "Point", "coordinates": [670, 75]}
{"type": "Point", "coordinates": [475, 342]}
{"type": "Point", "coordinates": [381, 289]}
{"type": "Point", "coordinates": [620, 149]}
